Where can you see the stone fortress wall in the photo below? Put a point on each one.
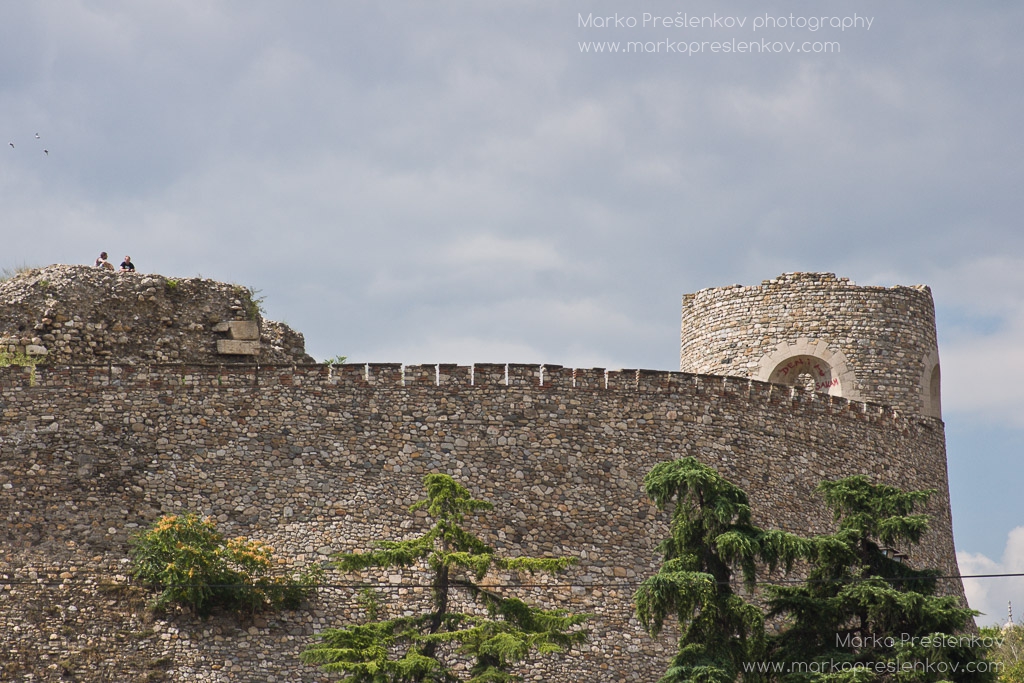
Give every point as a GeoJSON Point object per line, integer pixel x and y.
{"type": "Point", "coordinates": [318, 459]}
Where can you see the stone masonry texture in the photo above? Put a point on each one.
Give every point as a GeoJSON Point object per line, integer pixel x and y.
{"type": "Point", "coordinates": [886, 335]}
{"type": "Point", "coordinates": [82, 315]}
{"type": "Point", "coordinates": [318, 459]}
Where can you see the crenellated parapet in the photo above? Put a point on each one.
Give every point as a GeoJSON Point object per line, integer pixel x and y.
{"type": "Point", "coordinates": [437, 378]}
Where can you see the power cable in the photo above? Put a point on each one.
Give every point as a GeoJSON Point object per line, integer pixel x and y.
{"type": "Point", "coordinates": [558, 584]}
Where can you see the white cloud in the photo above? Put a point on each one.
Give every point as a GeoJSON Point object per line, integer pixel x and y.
{"type": "Point", "coordinates": [454, 348]}
{"type": "Point", "coordinates": [985, 376]}
{"type": "Point", "coordinates": [992, 283]}
{"type": "Point", "coordinates": [982, 355]}
{"type": "Point", "coordinates": [991, 595]}
{"type": "Point", "coordinates": [491, 250]}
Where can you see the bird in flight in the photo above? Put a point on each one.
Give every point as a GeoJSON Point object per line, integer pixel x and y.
{"type": "Point", "coordinates": [11, 144]}
{"type": "Point", "coordinates": [37, 136]}
{"type": "Point", "coordinates": [46, 152]}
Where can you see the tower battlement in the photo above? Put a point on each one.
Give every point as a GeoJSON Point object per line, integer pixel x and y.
{"type": "Point", "coordinates": [822, 333]}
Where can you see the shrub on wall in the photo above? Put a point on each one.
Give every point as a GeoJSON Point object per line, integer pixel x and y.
{"type": "Point", "coordinates": [192, 564]}
{"type": "Point", "coordinates": [8, 358]}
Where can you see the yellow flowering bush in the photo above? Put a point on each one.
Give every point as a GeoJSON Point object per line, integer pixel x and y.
{"type": "Point", "coordinates": [192, 564]}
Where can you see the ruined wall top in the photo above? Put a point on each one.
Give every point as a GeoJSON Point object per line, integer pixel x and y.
{"type": "Point", "coordinates": [820, 332]}
{"type": "Point", "coordinates": [811, 330]}
{"type": "Point", "coordinates": [80, 315]}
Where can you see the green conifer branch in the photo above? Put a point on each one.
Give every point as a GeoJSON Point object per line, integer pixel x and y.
{"type": "Point", "coordinates": [426, 647]}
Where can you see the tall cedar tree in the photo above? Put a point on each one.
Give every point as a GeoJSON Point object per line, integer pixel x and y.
{"type": "Point", "coordinates": [429, 647]}
{"type": "Point", "coordinates": [862, 615]}
{"type": "Point", "coordinates": [710, 536]}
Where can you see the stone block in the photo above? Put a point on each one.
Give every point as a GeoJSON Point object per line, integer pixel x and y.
{"type": "Point", "coordinates": [622, 379]}
{"type": "Point", "coordinates": [450, 374]}
{"type": "Point", "coordinates": [589, 378]}
{"type": "Point", "coordinates": [557, 376]}
{"type": "Point", "coordinates": [350, 374]}
{"type": "Point", "coordinates": [488, 374]}
{"type": "Point", "coordinates": [246, 330]}
{"type": "Point", "coordinates": [235, 347]}
{"type": "Point", "coordinates": [242, 330]}
{"type": "Point", "coordinates": [35, 350]}
{"type": "Point", "coordinates": [420, 375]}
{"type": "Point", "coordinates": [660, 380]}
{"type": "Point", "coordinates": [384, 374]}
{"type": "Point", "coordinates": [523, 375]}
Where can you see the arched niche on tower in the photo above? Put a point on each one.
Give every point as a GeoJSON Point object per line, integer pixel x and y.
{"type": "Point", "coordinates": [809, 364]}
{"type": "Point", "coordinates": [931, 386]}
{"type": "Point", "coordinates": [805, 372]}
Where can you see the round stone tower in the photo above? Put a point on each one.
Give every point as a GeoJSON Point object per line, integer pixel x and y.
{"type": "Point", "coordinates": [821, 333]}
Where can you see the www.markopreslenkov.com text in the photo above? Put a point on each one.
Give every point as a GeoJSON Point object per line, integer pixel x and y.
{"type": "Point", "coordinates": [885, 667]}
{"type": "Point", "coordinates": [766, 47]}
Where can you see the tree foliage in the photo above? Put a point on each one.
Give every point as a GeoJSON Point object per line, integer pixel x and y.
{"type": "Point", "coordinates": [711, 536]}
{"type": "Point", "coordinates": [863, 607]}
{"type": "Point", "coordinates": [192, 564]}
{"type": "Point", "coordinates": [861, 615]}
{"type": "Point", "coordinates": [1008, 652]}
{"type": "Point", "coordinates": [432, 645]}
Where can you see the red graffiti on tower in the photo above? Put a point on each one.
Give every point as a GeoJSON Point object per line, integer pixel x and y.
{"type": "Point", "coordinates": [812, 366]}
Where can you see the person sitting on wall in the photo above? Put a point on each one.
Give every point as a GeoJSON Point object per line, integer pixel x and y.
{"type": "Point", "coordinates": [127, 266]}
{"type": "Point", "coordinates": [102, 262]}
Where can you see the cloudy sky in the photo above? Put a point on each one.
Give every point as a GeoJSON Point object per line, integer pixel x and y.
{"type": "Point", "coordinates": [462, 181]}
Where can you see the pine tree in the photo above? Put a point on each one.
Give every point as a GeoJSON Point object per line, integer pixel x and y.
{"type": "Point", "coordinates": [430, 646]}
{"type": "Point", "coordinates": [710, 536]}
{"type": "Point", "coordinates": [864, 615]}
